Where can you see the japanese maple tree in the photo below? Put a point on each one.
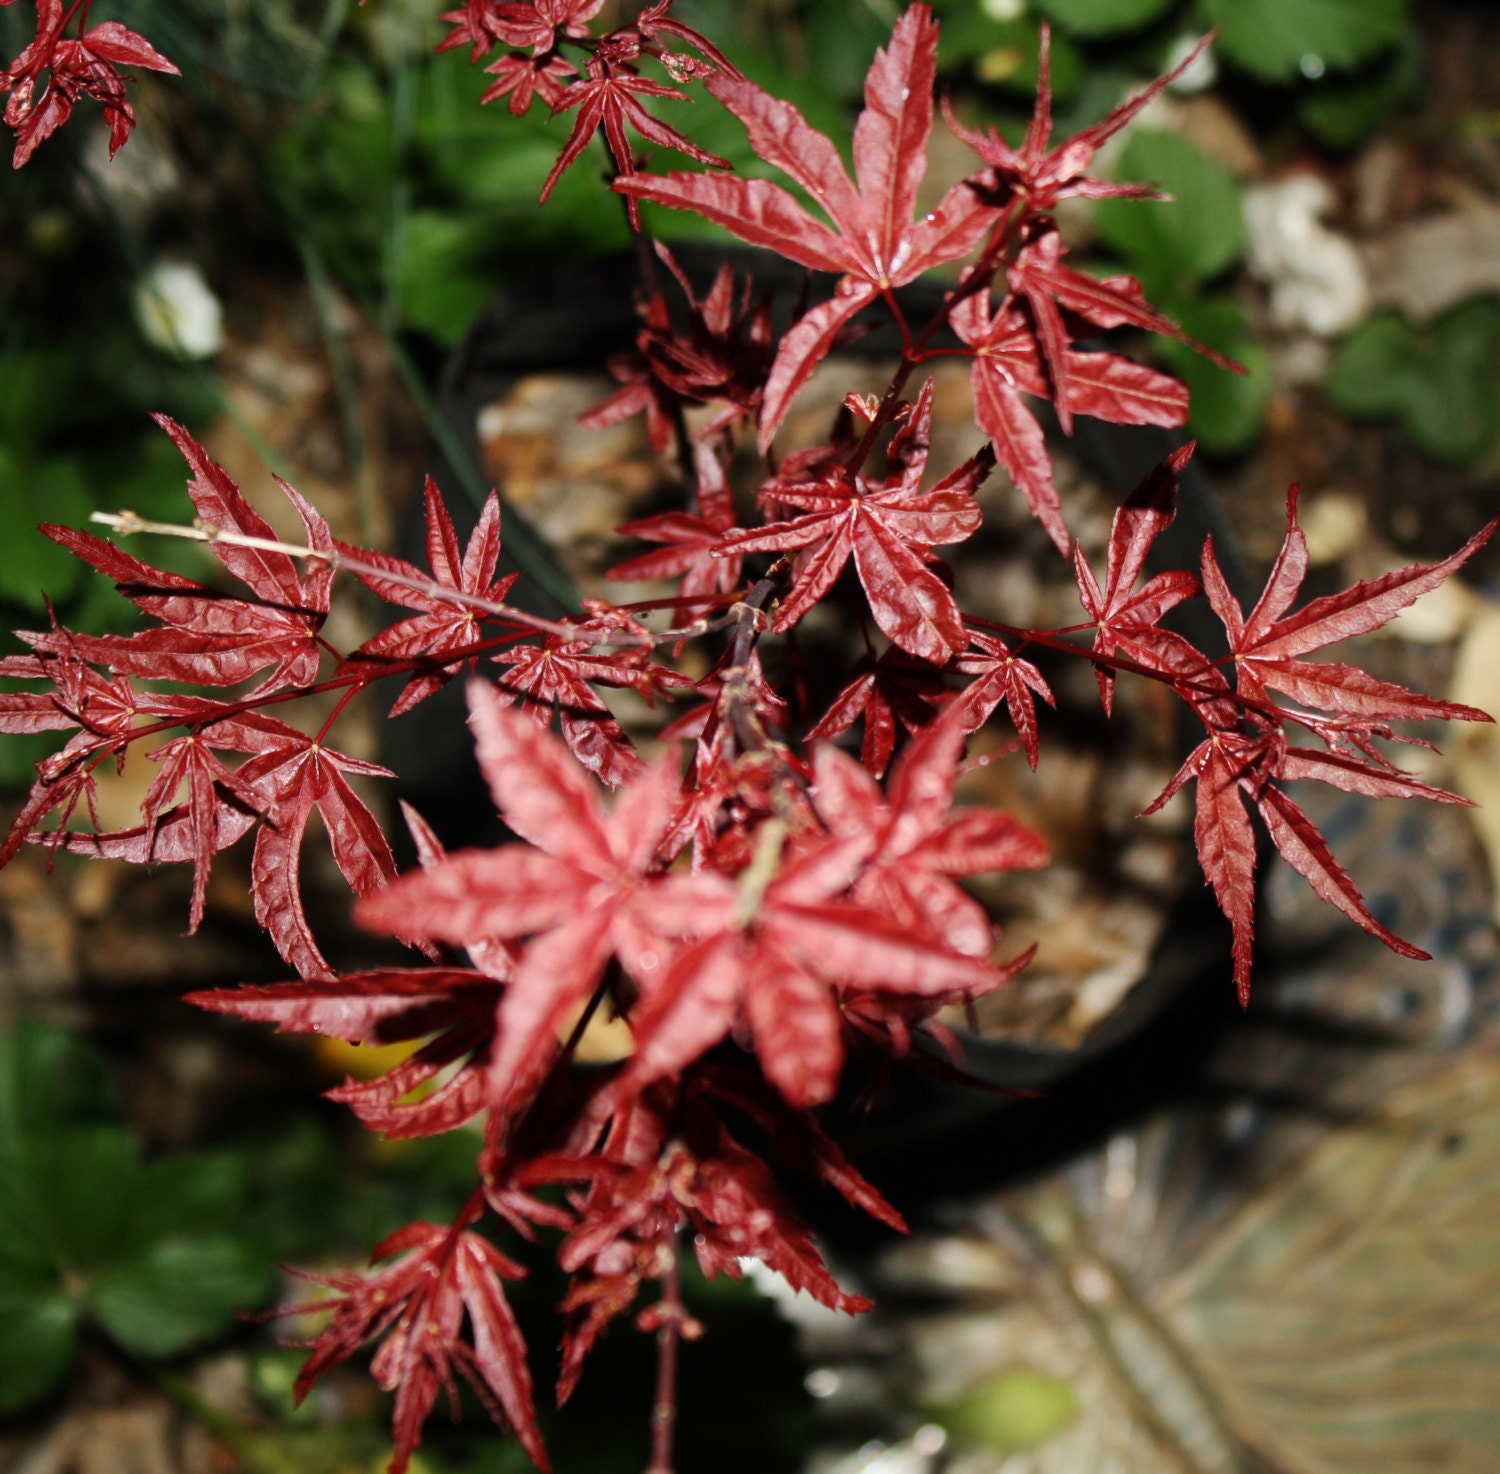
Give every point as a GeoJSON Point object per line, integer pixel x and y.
{"type": "Point", "coordinates": [752, 900]}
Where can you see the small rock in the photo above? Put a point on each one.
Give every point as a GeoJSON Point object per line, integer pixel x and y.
{"type": "Point", "coordinates": [1316, 277]}
{"type": "Point", "coordinates": [1433, 264]}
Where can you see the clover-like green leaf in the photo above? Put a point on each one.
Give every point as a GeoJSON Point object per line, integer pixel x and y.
{"type": "Point", "coordinates": [1103, 17]}
{"type": "Point", "coordinates": [181, 1290]}
{"type": "Point", "coordinates": [1227, 409]}
{"type": "Point", "coordinates": [38, 1330]}
{"type": "Point", "coordinates": [1439, 380]}
{"type": "Point", "coordinates": [1277, 40]}
{"type": "Point", "coordinates": [1194, 236]}
{"type": "Point", "coordinates": [156, 1254]}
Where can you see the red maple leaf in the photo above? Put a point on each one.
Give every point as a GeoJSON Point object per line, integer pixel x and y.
{"type": "Point", "coordinates": [206, 636]}
{"type": "Point", "coordinates": [522, 78]}
{"type": "Point", "coordinates": [890, 530]}
{"type": "Point", "coordinates": [577, 887]}
{"type": "Point", "coordinates": [1233, 766]}
{"type": "Point", "coordinates": [737, 762]}
{"type": "Point", "coordinates": [607, 99]}
{"type": "Point", "coordinates": [1002, 675]}
{"type": "Point", "coordinates": [892, 688]}
{"type": "Point", "coordinates": [452, 1008]}
{"type": "Point", "coordinates": [1041, 175]}
{"type": "Point", "coordinates": [666, 1161]}
{"type": "Point", "coordinates": [653, 22]}
{"type": "Point", "coordinates": [1008, 364]}
{"type": "Point", "coordinates": [555, 677]}
{"type": "Point", "coordinates": [540, 23]}
{"type": "Point", "coordinates": [106, 710]}
{"type": "Point", "coordinates": [1125, 617]}
{"type": "Point", "coordinates": [444, 625]}
{"type": "Point", "coordinates": [69, 68]}
{"type": "Point", "coordinates": [690, 538]}
{"type": "Point", "coordinates": [291, 775]}
{"type": "Point", "coordinates": [482, 24]}
{"type": "Point", "coordinates": [288, 776]}
{"type": "Point", "coordinates": [722, 354]}
{"type": "Point", "coordinates": [775, 950]}
{"type": "Point", "coordinates": [416, 1308]}
{"type": "Point", "coordinates": [874, 244]}
{"type": "Point", "coordinates": [920, 844]}
{"type": "Point", "coordinates": [1048, 287]}
{"type": "Point", "coordinates": [476, 25]}
{"type": "Point", "coordinates": [1268, 645]}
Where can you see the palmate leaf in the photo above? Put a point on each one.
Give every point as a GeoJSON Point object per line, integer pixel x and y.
{"type": "Point", "coordinates": [889, 530]}
{"type": "Point", "coordinates": [1008, 363]}
{"type": "Point", "coordinates": [454, 1009]}
{"type": "Point", "coordinates": [296, 776]}
{"type": "Point", "coordinates": [869, 910]}
{"type": "Point", "coordinates": [892, 688]}
{"type": "Point", "coordinates": [1268, 644]}
{"type": "Point", "coordinates": [442, 625]}
{"type": "Point", "coordinates": [1123, 614]}
{"type": "Point", "coordinates": [205, 636]}
{"type": "Point", "coordinates": [56, 69]}
{"type": "Point", "coordinates": [609, 100]}
{"type": "Point", "coordinates": [873, 240]}
{"type": "Point", "coordinates": [578, 889]}
{"type": "Point", "coordinates": [1240, 764]}
{"type": "Point", "coordinates": [416, 1305]}
{"type": "Point", "coordinates": [921, 843]}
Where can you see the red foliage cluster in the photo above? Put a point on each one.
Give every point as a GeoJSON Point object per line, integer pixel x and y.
{"type": "Point", "coordinates": [774, 896]}
{"type": "Point", "coordinates": [56, 69]}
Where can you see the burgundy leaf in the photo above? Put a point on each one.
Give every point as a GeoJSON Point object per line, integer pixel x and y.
{"type": "Point", "coordinates": [874, 240]}
{"type": "Point", "coordinates": [1002, 675]}
{"type": "Point", "coordinates": [889, 529]}
{"type": "Point", "coordinates": [1043, 175]}
{"type": "Point", "coordinates": [1123, 614]}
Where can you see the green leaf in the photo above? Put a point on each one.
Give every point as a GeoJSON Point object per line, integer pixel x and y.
{"type": "Point", "coordinates": [1345, 110]}
{"type": "Point", "coordinates": [181, 1290]}
{"type": "Point", "coordinates": [445, 278]}
{"type": "Point", "coordinates": [1091, 18]}
{"type": "Point", "coordinates": [190, 1190]}
{"type": "Point", "coordinates": [1441, 381]}
{"type": "Point", "coordinates": [38, 1332]}
{"type": "Point", "coordinates": [70, 1189]}
{"type": "Point", "coordinates": [1226, 410]}
{"type": "Point", "coordinates": [33, 568]}
{"type": "Point", "coordinates": [48, 1078]}
{"type": "Point", "coordinates": [38, 395]}
{"type": "Point", "coordinates": [1196, 235]}
{"type": "Point", "coordinates": [64, 1168]}
{"type": "Point", "coordinates": [19, 755]}
{"type": "Point", "coordinates": [1278, 40]}
{"type": "Point", "coordinates": [1374, 369]}
{"type": "Point", "coordinates": [841, 40]}
{"type": "Point", "coordinates": [1009, 59]}
{"type": "Point", "coordinates": [148, 1251]}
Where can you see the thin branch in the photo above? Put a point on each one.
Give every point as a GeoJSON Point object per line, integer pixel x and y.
{"type": "Point", "coordinates": [668, 1340]}
{"type": "Point", "coordinates": [128, 524]}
